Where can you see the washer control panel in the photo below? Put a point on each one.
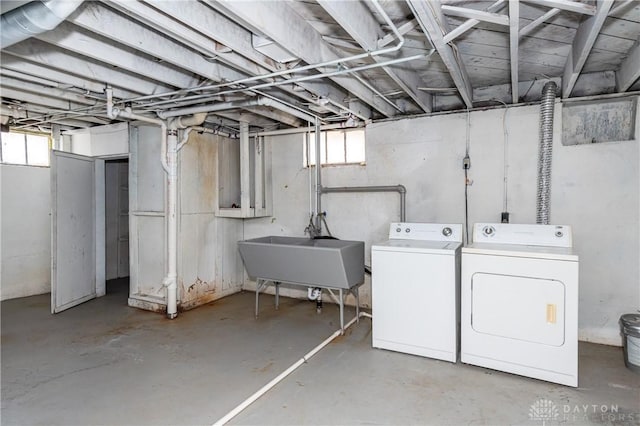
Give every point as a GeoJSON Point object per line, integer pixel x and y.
{"type": "Point", "coordinates": [529, 235]}
{"type": "Point", "coordinates": [426, 231]}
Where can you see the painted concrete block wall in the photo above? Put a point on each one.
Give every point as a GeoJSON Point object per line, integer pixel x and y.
{"type": "Point", "coordinates": [594, 189]}
{"type": "Point", "coordinates": [25, 231]}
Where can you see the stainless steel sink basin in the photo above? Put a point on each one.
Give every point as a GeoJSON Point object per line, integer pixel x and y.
{"type": "Point", "coordinates": [316, 263]}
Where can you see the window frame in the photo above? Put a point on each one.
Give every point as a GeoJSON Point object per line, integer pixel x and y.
{"type": "Point", "coordinates": [309, 145]}
{"type": "Point", "coordinates": [25, 134]}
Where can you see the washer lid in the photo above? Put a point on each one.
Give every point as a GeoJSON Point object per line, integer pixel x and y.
{"type": "Point", "coordinates": [513, 250]}
{"type": "Point", "coordinates": [421, 246]}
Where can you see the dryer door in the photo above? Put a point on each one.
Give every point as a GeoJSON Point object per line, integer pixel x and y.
{"type": "Point", "coordinates": [521, 308]}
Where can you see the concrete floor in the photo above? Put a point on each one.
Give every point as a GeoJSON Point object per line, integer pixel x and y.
{"type": "Point", "coordinates": [105, 363]}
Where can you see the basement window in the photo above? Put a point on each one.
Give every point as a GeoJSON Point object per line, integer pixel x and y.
{"type": "Point", "coordinates": [29, 149]}
{"type": "Point", "coordinates": [599, 121]}
{"type": "Point", "coordinates": [337, 147]}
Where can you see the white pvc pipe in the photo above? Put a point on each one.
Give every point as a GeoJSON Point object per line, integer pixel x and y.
{"type": "Point", "coordinates": [266, 388]}
{"type": "Point", "coordinates": [172, 222]}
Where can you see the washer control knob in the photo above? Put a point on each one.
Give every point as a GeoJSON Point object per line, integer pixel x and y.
{"type": "Point", "coordinates": [447, 232]}
{"type": "Point", "coordinates": [488, 231]}
{"type": "Point", "coordinates": [407, 230]}
{"type": "Point", "coordinates": [398, 229]}
{"type": "Point", "coordinates": [559, 234]}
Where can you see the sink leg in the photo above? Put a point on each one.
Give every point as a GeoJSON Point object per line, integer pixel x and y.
{"type": "Point", "coordinates": [341, 312]}
{"type": "Point", "coordinates": [277, 284]}
{"type": "Point", "coordinates": [258, 286]}
{"type": "Point", "coordinates": [357, 294]}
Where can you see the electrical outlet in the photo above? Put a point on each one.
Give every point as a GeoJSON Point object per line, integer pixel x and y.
{"type": "Point", "coordinates": [466, 163]}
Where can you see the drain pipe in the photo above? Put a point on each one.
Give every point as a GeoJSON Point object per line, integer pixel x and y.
{"type": "Point", "coordinates": [318, 135]}
{"type": "Point", "coordinates": [545, 152]}
{"type": "Point", "coordinates": [114, 112]}
{"type": "Point", "coordinates": [169, 152]}
{"type": "Point", "coordinates": [266, 388]}
{"type": "Point", "coordinates": [401, 189]}
{"type": "Point", "coordinates": [171, 280]}
{"type": "Point", "coordinates": [34, 18]}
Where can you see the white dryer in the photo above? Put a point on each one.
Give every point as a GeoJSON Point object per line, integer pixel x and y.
{"type": "Point", "coordinates": [415, 292]}
{"type": "Point", "coordinates": [519, 308]}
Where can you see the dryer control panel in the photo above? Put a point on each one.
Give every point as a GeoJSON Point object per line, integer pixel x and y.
{"type": "Point", "coordinates": [528, 235]}
{"type": "Point", "coordinates": [426, 231]}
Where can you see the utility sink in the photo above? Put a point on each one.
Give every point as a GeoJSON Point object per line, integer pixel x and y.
{"type": "Point", "coordinates": [325, 263]}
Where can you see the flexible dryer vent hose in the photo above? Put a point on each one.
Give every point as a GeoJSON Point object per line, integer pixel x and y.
{"type": "Point", "coordinates": [545, 153]}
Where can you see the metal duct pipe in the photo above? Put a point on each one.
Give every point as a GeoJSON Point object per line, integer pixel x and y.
{"type": "Point", "coordinates": [401, 189]}
{"type": "Point", "coordinates": [545, 152]}
{"type": "Point", "coordinates": [34, 18]}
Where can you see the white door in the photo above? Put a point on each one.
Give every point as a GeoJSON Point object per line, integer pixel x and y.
{"type": "Point", "coordinates": [77, 226]}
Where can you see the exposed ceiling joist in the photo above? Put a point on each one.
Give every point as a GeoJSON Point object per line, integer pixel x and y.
{"type": "Point", "coordinates": [46, 55]}
{"type": "Point", "coordinates": [514, 25]}
{"type": "Point", "coordinates": [208, 26]}
{"type": "Point", "coordinates": [278, 116]}
{"type": "Point", "coordinates": [402, 29]}
{"type": "Point", "coordinates": [37, 88]}
{"type": "Point", "coordinates": [433, 22]}
{"type": "Point", "coordinates": [480, 15]}
{"type": "Point", "coordinates": [629, 71]}
{"type": "Point", "coordinates": [527, 29]}
{"type": "Point", "coordinates": [103, 21]}
{"type": "Point", "coordinates": [297, 35]}
{"type": "Point", "coordinates": [25, 69]}
{"type": "Point", "coordinates": [81, 42]}
{"type": "Point", "coordinates": [40, 99]}
{"type": "Point", "coordinates": [571, 6]}
{"type": "Point", "coordinates": [360, 24]}
{"type": "Point", "coordinates": [470, 23]}
{"type": "Point", "coordinates": [582, 43]}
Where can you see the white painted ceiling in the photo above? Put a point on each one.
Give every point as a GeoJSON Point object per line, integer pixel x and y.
{"type": "Point", "coordinates": [166, 55]}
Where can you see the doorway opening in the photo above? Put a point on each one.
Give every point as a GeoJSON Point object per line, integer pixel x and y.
{"type": "Point", "coordinates": [117, 228]}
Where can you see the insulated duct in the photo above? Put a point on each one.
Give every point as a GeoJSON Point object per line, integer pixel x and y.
{"type": "Point", "coordinates": [543, 198]}
{"type": "Point", "coordinates": [34, 18]}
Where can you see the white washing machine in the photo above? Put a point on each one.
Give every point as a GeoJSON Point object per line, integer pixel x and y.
{"type": "Point", "coordinates": [520, 301]}
{"type": "Point", "coordinates": [415, 289]}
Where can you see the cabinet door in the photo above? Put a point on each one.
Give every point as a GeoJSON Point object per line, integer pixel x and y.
{"type": "Point", "coordinates": [521, 308]}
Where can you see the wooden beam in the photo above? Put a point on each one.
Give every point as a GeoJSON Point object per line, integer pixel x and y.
{"type": "Point", "coordinates": [585, 37]}
{"type": "Point", "coordinates": [279, 22]}
{"type": "Point", "coordinates": [514, 25]}
{"type": "Point", "coordinates": [402, 29]}
{"type": "Point", "coordinates": [470, 23]}
{"type": "Point", "coordinates": [571, 6]}
{"type": "Point", "coordinates": [360, 24]}
{"type": "Point", "coordinates": [70, 37]}
{"type": "Point", "coordinates": [101, 20]}
{"type": "Point", "coordinates": [48, 56]}
{"type": "Point", "coordinates": [538, 21]}
{"type": "Point", "coordinates": [480, 15]}
{"type": "Point", "coordinates": [629, 71]}
{"type": "Point", "coordinates": [198, 27]}
{"type": "Point", "coordinates": [433, 23]}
